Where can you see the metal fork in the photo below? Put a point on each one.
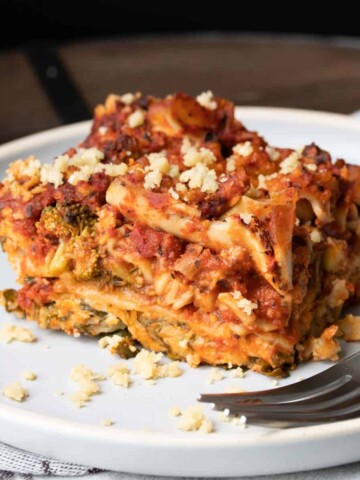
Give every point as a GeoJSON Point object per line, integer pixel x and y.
{"type": "Point", "coordinates": [329, 396]}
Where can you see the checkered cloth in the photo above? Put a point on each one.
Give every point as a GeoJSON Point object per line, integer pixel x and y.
{"type": "Point", "coordinates": [19, 465]}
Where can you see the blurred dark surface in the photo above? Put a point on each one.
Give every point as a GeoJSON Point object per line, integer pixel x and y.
{"type": "Point", "coordinates": [36, 20]}
{"type": "Point", "coordinates": [283, 72]}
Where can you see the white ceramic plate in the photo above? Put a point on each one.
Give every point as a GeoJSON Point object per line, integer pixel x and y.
{"type": "Point", "coordinates": [144, 438]}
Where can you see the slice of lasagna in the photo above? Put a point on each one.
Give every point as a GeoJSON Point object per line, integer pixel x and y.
{"type": "Point", "coordinates": [176, 225]}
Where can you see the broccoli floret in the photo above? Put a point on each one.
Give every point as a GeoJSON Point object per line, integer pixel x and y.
{"type": "Point", "coordinates": [65, 221]}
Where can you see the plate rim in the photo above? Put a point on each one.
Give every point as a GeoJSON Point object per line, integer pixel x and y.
{"type": "Point", "coordinates": [62, 132]}
{"type": "Point", "coordinates": [174, 439]}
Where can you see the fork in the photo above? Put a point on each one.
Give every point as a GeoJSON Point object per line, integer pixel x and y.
{"type": "Point", "coordinates": [329, 396]}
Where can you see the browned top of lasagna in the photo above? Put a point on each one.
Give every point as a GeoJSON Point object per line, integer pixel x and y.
{"type": "Point", "coordinates": [183, 187]}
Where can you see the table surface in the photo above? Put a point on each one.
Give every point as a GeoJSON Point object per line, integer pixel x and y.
{"type": "Point", "coordinates": [250, 70]}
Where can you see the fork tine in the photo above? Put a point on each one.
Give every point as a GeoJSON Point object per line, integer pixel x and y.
{"type": "Point", "coordinates": [343, 413]}
{"type": "Point", "coordinates": [297, 390]}
{"type": "Point", "coordinates": [304, 390]}
{"type": "Point", "coordinates": [352, 395]}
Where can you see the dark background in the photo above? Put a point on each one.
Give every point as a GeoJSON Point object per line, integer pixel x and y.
{"type": "Point", "coordinates": [36, 21]}
{"type": "Point", "coordinates": [58, 59]}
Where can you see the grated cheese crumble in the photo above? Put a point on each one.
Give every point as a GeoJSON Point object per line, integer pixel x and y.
{"type": "Point", "coordinates": [152, 180]}
{"type": "Point", "coordinates": [193, 419]}
{"type": "Point", "coordinates": [247, 305]}
{"type": "Point", "coordinates": [193, 156]}
{"type": "Point", "coordinates": [119, 375]}
{"type": "Point", "coordinates": [273, 154]}
{"type": "Point", "coordinates": [175, 411]}
{"type": "Point", "coordinates": [290, 163]}
{"type": "Point", "coordinates": [244, 149]}
{"type": "Point", "coordinates": [107, 422]}
{"type": "Point", "coordinates": [15, 391]}
{"type": "Point", "coordinates": [136, 119]}
{"type": "Point", "coordinates": [174, 194]}
{"type": "Point", "coordinates": [128, 98]}
{"type": "Point", "coordinates": [28, 375]}
{"type": "Point", "coordinates": [200, 177]}
{"type": "Point", "coordinates": [88, 386]}
{"type": "Point", "coordinates": [12, 333]}
{"type": "Point", "coordinates": [146, 364]}
{"type": "Point", "coordinates": [215, 375]}
{"type": "Point", "coordinates": [206, 100]}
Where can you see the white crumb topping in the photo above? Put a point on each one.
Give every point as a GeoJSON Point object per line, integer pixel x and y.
{"type": "Point", "coordinates": [174, 171]}
{"type": "Point", "coordinates": [231, 164]}
{"type": "Point", "coordinates": [180, 187]}
{"type": "Point", "coordinates": [175, 411]}
{"type": "Point", "coordinates": [88, 386]}
{"type": "Point", "coordinates": [114, 170]}
{"type": "Point", "coordinates": [128, 98]}
{"type": "Point", "coordinates": [102, 130]}
{"type": "Point", "coordinates": [30, 167]}
{"type": "Point", "coordinates": [247, 305]}
{"type": "Point", "coordinates": [107, 422]}
{"type": "Point", "coordinates": [136, 119]}
{"type": "Point", "coordinates": [273, 154]}
{"type": "Point", "coordinates": [290, 163]}
{"type": "Point", "coordinates": [274, 383]}
{"type": "Point", "coordinates": [237, 295]}
{"type": "Point", "coordinates": [146, 364]}
{"type": "Point", "coordinates": [49, 174]}
{"type": "Point", "coordinates": [171, 369]}
{"type": "Point", "coordinates": [215, 375]}
{"type": "Point", "coordinates": [12, 333]}
{"type": "Point", "coordinates": [87, 161]}
{"type": "Point", "coordinates": [297, 221]}
{"type": "Point", "coordinates": [111, 343]}
{"type": "Point", "coordinates": [316, 236]}
{"type": "Point", "coordinates": [246, 217]}
{"type": "Point", "coordinates": [119, 375]}
{"type": "Point", "coordinates": [186, 144]}
{"type": "Point", "coordinates": [200, 177]}
{"type": "Point", "coordinates": [15, 391]}
{"type": "Point", "coordinates": [238, 373]}
{"type": "Point", "coordinates": [81, 373]}
{"type": "Point", "coordinates": [28, 375]}
{"type": "Point", "coordinates": [244, 149]}
{"type": "Point", "coordinates": [193, 419]}
{"type": "Point", "coordinates": [158, 165]}
{"type": "Point", "coordinates": [152, 180]}
{"type": "Point", "coordinates": [174, 194]}
{"type": "Point", "coordinates": [339, 293]}
{"type": "Point", "coordinates": [193, 156]}
{"type": "Point", "coordinates": [311, 166]}
{"type": "Point", "coordinates": [206, 100]}
{"type": "Point", "coordinates": [262, 181]}
{"type": "Point", "coordinates": [79, 398]}
{"type": "Point", "coordinates": [81, 175]}
{"type": "Point", "coordinates": [158, 161]}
